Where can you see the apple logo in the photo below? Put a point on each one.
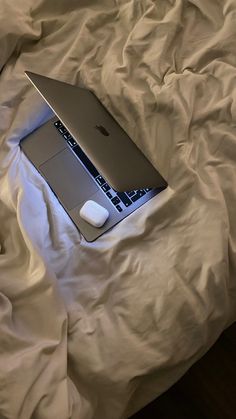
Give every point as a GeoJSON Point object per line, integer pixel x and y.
{"type": "Point", "coordinates": [102, 130]}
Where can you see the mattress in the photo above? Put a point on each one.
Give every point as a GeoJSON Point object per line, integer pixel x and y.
{"type": "Point", "coordinates": [98, 330]}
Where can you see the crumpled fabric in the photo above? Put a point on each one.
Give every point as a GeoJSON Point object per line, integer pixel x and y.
{"type": "Point", "coordinates": [97, 330]}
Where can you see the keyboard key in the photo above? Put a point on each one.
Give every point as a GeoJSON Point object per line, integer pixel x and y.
{"type": "Point", "coordinates": [118, 207]}
{"type": "Point", "coordinates": [62, 130]}
{"type": "Point", "coordinates": [124, 198]}
{"type": "Point", "coordinates": [79, 152]}
{"type": "Point", "coordinates": [72, 142]}
{"type": "Point", "coordinates": [106, 187]}
{"type": "Point", "coordinates": [58, 124]}
{"type": "Point", "coordinates": [67, 135]}
{"type": "Point", "coordinates": [138, 195]}
{"type": "Point", "coordinates": [130, 193]}
{"type": "Point", "coordinates": [148, 189]}
{"type": "Point", "coordinates": [115, 200]}
{"type": "Point", "coordinates": [109, 195]}
{"type": "Point", "coordinates": [100, 180]}
{"type": "Point", "coordinates": [84, 159]}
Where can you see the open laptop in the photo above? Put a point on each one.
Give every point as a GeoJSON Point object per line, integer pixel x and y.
{"type": "Point", "coordinates": [96, 171]}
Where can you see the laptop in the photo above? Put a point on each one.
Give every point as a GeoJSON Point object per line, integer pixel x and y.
{"type": "Point", "coordinates": [93, 167]}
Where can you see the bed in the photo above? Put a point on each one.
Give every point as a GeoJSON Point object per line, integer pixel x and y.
{"type": "Point", "coordinates": [98, 330]}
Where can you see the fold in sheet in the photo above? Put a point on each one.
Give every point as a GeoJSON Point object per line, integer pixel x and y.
{"type": "Point", "coordinates": [97, 330]}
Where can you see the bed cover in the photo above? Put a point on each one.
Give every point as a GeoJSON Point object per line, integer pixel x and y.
{"type": "Point", "coordinates": [97, 330]}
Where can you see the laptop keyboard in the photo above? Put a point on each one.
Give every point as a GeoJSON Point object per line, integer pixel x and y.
{"type": "Point", "coordinates": [120, 200]}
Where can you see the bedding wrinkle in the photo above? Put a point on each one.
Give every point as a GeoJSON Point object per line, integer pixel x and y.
{"type": "Point", "coordinates": [97, 330]}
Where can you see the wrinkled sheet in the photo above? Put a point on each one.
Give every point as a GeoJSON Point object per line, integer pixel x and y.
{"type": "Point", "coordinates": [97, 330]}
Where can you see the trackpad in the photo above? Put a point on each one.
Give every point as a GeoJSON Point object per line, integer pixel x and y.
{"type": "Point", "coordinates": [68, 179]}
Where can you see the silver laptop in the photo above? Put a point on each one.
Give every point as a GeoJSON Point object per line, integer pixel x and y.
{"type": "Point", "coordinates": [96, 171]}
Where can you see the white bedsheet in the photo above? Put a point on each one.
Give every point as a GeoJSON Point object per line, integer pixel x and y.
{"type": "Point", "coordinates": [97, 330]}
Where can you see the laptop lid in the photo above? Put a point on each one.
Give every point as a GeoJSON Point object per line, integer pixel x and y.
{"type": "Point", "coordinates": [99, 135]}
